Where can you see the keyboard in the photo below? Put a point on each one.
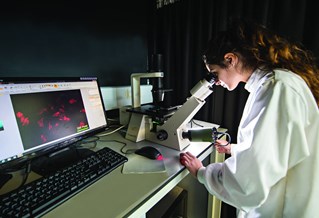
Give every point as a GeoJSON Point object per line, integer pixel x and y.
{"type": "Point", "coordinates": [38, 197]}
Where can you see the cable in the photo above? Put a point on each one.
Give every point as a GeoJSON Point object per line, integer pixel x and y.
{"type": "Point", "coordinates": [221, 134]}
{"type": "Point", "coordinates": [109, 133]}
{"type": "Point", "coordinates": [26, 174]}
{"type": "Point", "coordinates": [4, 178]}
{"type": "Point", "coordinates": [129, 151]}
{"type": "Point", "coordinates": [111, 119]}
{"type": "Point", "coordinates": [92, 139]}
{"type": "Point", "coordinates": [197, 124]}
{"type": "Point", "coordinates": [8, 176]}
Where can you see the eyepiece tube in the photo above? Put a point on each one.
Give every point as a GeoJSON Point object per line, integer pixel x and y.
{"type": "Point", "coordinates": [211, 78]}
{"type": "Point", "coordinates": [204, 87]}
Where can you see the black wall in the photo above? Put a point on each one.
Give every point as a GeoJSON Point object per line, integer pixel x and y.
{"type": "Point", "coordinates": [107, 39]}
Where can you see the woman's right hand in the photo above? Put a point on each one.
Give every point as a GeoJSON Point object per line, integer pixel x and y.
{"type": "Point", "coordinates": [222, 146]}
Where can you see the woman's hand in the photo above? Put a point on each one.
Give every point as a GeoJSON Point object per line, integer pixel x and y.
{"type": "Point", "coordinates": [222, 146]}
{"type": "Point", "coordinates": [190, 162]}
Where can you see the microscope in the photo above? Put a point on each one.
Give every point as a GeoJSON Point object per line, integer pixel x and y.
{"type": "Point", "coordinates": [168, 126]}
{"type": "Point", "coordinates": [173, 131]}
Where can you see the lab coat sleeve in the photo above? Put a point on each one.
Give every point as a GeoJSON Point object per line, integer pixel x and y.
{"type": "Point", "coordinates": [277, 143]}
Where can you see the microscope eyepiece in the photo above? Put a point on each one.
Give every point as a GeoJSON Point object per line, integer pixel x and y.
{"type": "Point", "coordinates": [211, 78]}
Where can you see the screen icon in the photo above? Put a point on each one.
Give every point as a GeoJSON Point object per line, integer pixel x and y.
{"type": "Point", "coordinates": [1, 125]}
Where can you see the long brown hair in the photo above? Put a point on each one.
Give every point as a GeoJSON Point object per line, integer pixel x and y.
{"type": "Point", "coordinates": [258, 47]}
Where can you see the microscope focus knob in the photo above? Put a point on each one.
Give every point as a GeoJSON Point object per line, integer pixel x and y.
{"type": "Point", "coordinates": [162, 135]}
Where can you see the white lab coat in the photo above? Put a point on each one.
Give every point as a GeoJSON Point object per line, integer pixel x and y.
{"type": "Point", "coordinates": [274, 167]}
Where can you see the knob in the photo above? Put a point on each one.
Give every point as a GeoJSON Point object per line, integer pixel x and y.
{"type": "Point", "coordinates": [162, 135]}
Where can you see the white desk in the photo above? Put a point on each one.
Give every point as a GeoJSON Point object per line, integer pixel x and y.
{"type": "Point", "coordinates": [129, 195]}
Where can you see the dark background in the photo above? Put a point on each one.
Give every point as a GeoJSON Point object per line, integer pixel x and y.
{"type": "Point", "coordinates": [113, 39]}
{"type": "Point", "coordinates": [74, 38]}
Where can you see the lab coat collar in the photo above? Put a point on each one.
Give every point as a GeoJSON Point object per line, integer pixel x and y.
{"type": "Point", "coordinates": [257, 77]}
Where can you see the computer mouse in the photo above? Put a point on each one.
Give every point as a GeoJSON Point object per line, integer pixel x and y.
{"type": "Point", "coordinates": [149, 152]}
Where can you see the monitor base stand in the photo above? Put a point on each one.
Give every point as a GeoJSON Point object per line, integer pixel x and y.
{"type": "Point", "coordinates": [4, 178]}
{"type": "Point", "coordinates": [51, 163]}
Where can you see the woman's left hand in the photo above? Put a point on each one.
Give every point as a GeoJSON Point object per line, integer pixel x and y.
{"type": "Point", "coordinates": [192, 163]}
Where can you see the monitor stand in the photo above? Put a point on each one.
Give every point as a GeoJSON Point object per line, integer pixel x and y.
{"type": "Point", "coordinates": [4, 178]}
{"type": "Point", "coordinates": [52, 162]}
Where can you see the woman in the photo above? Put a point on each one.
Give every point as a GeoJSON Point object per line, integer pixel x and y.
{"type": "Point", "coordinates": [273, 170]}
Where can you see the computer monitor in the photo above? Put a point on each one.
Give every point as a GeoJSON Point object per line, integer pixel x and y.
{"type": "Point", "coordinates": [41, 115]}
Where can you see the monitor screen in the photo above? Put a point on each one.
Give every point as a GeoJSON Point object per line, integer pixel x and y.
{"type": "Point", "coordinates": [46, 114]}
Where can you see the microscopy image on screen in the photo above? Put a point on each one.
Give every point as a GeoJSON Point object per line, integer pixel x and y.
{"type": "Point", "coordinates": [47, 116]}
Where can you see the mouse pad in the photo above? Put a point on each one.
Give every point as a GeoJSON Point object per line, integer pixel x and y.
{"type": "Point", "coordinates": [139, 164]}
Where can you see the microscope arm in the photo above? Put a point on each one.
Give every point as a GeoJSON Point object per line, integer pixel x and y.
{"type": "Point", "coordinates": [136, 85]}
{"type": "Point", "coordinates": [170, 133]}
